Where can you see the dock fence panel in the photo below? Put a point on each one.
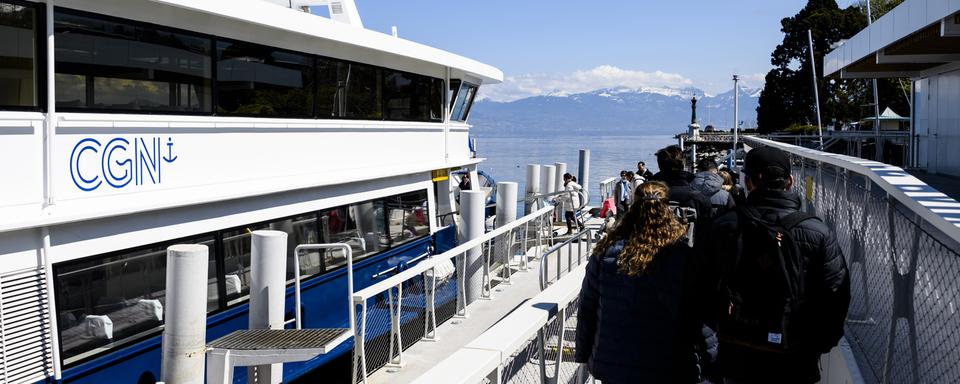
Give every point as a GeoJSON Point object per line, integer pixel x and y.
{"type": "Point", "coordinates": [904, 268]}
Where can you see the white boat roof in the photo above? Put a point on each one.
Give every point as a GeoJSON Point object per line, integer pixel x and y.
{"type": "Point", "coordinates": [265, 14]}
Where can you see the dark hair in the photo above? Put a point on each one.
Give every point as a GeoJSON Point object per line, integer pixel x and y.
{"type": "Point", "coordinates": [706, 165]}
{"type": "Point", "coordinates": [670, 158]}
{"type": "Point", "coordinates": [623, 173]}
{"type": "Point", "coordinates": [772, 178]}
{"type": "Point", "coordinates": [567, 176]}
{"type": "Point", "coordinates": [630, 174]}
{"type": "Point", "coordinates": [641, 163]}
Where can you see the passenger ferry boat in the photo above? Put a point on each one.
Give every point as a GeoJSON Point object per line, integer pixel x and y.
{"type": "Point", "coordinates": [131, 125]}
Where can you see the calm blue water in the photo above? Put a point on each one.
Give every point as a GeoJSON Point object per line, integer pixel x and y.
{"type": "Point", "coordinates": [507, 156]}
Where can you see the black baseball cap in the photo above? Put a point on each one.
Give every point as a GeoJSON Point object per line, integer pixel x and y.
{"type": "Point", "coordinates": [766, 161]}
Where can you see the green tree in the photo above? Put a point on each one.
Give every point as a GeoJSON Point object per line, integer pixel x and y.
{"type": "Point", "coordinates": [787, 98]}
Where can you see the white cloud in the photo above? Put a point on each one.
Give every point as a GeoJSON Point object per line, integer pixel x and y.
{"type": "Point", "coordinates": [604, 76]}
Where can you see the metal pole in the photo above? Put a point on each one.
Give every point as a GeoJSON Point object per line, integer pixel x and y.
{"type": "Point", "coordinates": [876, 102]}
{"type": "Point", "coordinates": [583, 172]}
{"type": "Point", "coordinates": [268, 278]}
{"type": "Point", "coordinates": [185, 328]}
{"type": "Point", "coordinates": [548, 180]}
{"type": "Point", "coordinates": [471, 211]}
{"type": "Point", "coordinates": [816, 91]}
{"type": "Point", "coordinates": [50, 124]}
{"type": "Point", "coordinates": [736, 122]}
{"type": "Point", "coordinates": [506, 203]}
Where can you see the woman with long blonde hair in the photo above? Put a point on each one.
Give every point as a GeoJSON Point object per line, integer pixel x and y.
{"type": "Point", "coordinates": [635, 322]}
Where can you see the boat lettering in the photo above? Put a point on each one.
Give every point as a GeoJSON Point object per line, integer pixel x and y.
{"type": "Point", "coordinates": [119, 161]}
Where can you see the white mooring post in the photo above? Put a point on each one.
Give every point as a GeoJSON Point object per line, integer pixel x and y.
{"type": "Point", "coordinates": [583, 172]}
{"type": "Point", "coordinates": [532, 189]}
{"type": "Point", "coordinates": [185, 328]}
{"type": "Point", "coordinates": [561, 169]}
{"type": "Point", "coordinates": [506, 202]}
{"type": "Point", "coordinates": [472, 216]}
{"type": "Point", "coordinates": [548, 180]}
{"type": "Point", "coordinates": [268, 282]}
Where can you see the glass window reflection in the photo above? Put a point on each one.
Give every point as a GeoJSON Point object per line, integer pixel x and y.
{"type": "Point", "coordinates": [258, 80]}
{"type": "Point", "coordinates": [18, 61]}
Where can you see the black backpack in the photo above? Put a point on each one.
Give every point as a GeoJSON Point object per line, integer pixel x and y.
{"type": "Point", "coordinates": [765, 287]}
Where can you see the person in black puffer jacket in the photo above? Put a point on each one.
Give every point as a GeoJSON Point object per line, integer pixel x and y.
{"type": "Point", "coordinates": [671, 163]}
{"type": "Point", "coordinates": [820, 319]}
{"type": "Point", "coordinates": [635, 322]}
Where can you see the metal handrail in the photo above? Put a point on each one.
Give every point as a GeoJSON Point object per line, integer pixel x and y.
{"type": "Point", "coordinates": [545, 259]}
{"type": "Point", "coordinates": [427, 269]}
{"type": "Point", "coordinates": [933, 207]}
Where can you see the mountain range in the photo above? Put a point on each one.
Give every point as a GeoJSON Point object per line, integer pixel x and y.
{"type": "Point", "coordinates": [613, 111]}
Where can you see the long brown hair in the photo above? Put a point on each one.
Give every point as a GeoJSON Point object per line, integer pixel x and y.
{"type": "Point", "coordinates": [648, 227]}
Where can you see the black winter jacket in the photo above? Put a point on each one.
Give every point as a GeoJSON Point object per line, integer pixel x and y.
{"type": "Point", "coordinates": [686, 195]}
{"type": "Point", "coordinates": [827, 294]}
{"type": "Point", "coordinates": [638, 329]}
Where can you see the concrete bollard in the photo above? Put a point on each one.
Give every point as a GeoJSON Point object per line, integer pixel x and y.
{"type": "Point", "coordinates": [185, 329]}
{"type": "Point", "coordinates": [268, 283]}
{"type": "Point", "coordinates": [532, 189]}
{"type": "Point", "coordinates": [472, 218]}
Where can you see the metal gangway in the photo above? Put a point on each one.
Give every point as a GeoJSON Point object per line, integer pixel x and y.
{"type": "Point", "coordinates": [900, 238]}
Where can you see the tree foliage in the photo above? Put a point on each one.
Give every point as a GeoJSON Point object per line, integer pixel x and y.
{"type": "Point", "coordinates": [788, 100]}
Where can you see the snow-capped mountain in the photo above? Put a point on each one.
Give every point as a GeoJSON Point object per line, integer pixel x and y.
{"type": "Point", "coordinates": [618, 110]}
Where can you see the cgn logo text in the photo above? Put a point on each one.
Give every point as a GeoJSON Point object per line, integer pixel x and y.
{"type": "Point", "coordinates": [118, 162]}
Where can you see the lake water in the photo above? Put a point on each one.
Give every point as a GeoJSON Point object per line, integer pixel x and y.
{"type": "Point", "coordinates": [507, 156]}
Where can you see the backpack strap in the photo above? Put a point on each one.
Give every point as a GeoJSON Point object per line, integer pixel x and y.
{"type": "Point", "coordinates": [792, 220]}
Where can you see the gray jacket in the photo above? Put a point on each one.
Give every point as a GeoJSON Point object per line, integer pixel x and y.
{"type": "Point", "coordinates": [711, 185]}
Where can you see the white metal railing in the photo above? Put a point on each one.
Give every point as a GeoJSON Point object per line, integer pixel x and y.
{"type": "Point", "coordinates": [381, 305]}
{"type": "Point", "coordinates": [900, 238]}
{"type": "Point", "coordinates": [531, 345]}
{"type": "Point", "coordinates": [607, 187]}
{"type": "Point", "coordinates": [576, 249]}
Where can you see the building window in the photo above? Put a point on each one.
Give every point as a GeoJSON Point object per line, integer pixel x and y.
{"type": "Point", "coordinates": [261, 81]}
{"type": "Point", "coordinates": [109, 64]}
{"type": "Point", "coordinates": [107, 302]}
{"type": "Point", "coordinates": [412, 97]}
{"type": "Point", "coordinates": [18, 56]}
{"type": "Point", "coordinates": [349, 90]}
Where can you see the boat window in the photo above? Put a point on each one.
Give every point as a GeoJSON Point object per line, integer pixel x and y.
{"type": "Point", "coordinates": [301, 230]}
{"type": "Point", "coordinates": [106, 302]}
{"type": "Point", "coordinates": [408, 218]}
{"type": "Point", "coordinates": [411, 97]}
{"type": "Point", "coordinates": [109, 64]}
{"type": "Point", "coordinates": [348, 90]}
{"type": "Point", "coordinates": [464, 101]}
{"type": "Point", "coordinates": [453, 91]}
{"type": "Point", "coordinates": [256, 80]}
{"type": "Point", "coordinates": [360, 225]}
{"type": "Point", "coordinates": [18, 56]}
{"type": "Point", "coordinates": [236, 261]}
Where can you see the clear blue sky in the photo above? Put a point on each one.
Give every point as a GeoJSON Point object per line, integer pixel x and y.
{"type": "Point", "coordinates": [702, 41]}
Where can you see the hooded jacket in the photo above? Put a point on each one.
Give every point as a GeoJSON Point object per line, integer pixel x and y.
{"type": "Point", "coordinates": [827, 293]}
{"type": "Point", "coordinates": [711, 185]}
{"type": "Point", "coordinates": [638, 329]}
{"type": "Point", "coordinates": [684, 194]}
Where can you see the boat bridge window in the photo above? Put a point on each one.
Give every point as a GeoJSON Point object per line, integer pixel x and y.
{"type": "Point", "coordinates": [262, 81]}
{"type": "Point", "coordinates": [412, 97]}
{"type": "Point", "coordinates": [18, 56]}
{"type": "Point", "coordinates": [463, 101]}
{"type": "Point", "coordinates": [105, 302]}
{"type": "Point", "coordinates": [112, 300]}
{"type": "Point", "coordinates": [110, 64]}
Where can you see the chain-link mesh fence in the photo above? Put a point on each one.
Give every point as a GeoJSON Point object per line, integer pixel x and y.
{"type": "Point", "coordinates": [905, 277]}
{"type": "Point", "coordinates": [548, 356]}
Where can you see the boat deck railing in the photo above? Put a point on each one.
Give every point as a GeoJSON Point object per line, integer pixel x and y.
{"type": "Point", "coordinates": [407, 307]}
